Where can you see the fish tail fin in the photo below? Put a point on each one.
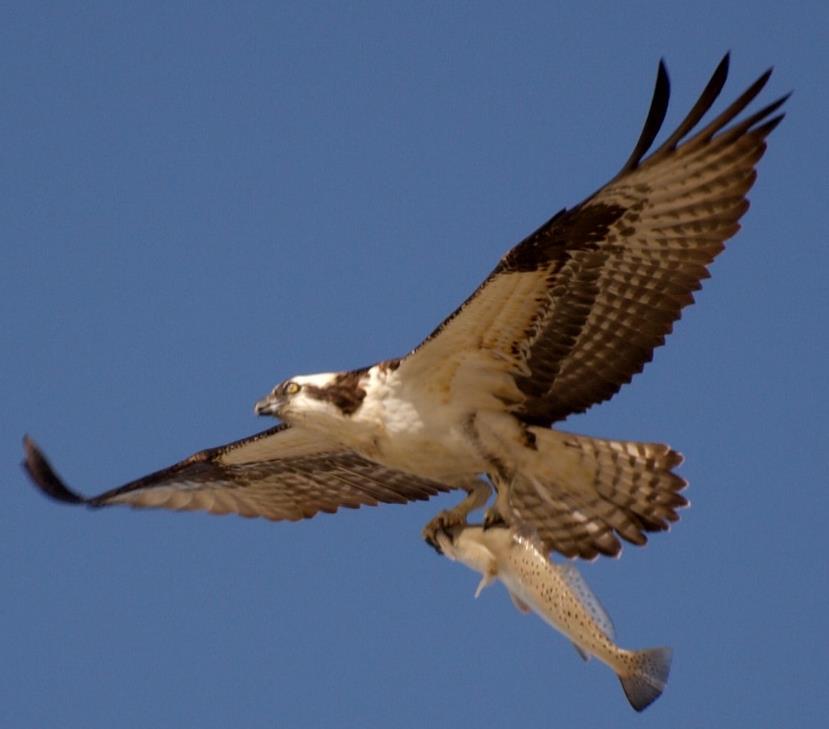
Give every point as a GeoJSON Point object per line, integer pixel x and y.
{"type": "Point", "coordinates": [647, 678]}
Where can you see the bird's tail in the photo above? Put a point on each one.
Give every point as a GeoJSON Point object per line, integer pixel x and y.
{"type": "Point", "coordinates": [649, 674]}
{"type": "Point", "coordinates": [579, 493]}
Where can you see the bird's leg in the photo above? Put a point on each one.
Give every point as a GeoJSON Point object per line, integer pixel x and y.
{"type": "Point", "coordinates": [478, 492]}
{"type": "Point", "coordinates": [494, 516]}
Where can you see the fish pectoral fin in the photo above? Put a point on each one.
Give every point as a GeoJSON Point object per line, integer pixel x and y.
{"type": "Point", "coordinates": [486, 581]}
{"type": "Point", "coordinates": [488, 577]}
{"type": "Point", "coordinates": [520, 605]}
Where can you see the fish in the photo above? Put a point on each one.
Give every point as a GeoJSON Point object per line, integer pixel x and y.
{"type": "Point", "coordinates": [559, 595]}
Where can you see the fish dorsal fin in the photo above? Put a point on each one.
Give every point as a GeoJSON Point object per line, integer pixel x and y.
{"type": "Point", "coordinates": [585, 596]}
{"type": "Point", "coordinates": [520, 605]}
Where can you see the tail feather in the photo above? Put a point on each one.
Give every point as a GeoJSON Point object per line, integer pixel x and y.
{"type": "Point", "coordinates": [581, 493]}
{"type": "Point", "coordinates": [646, 682]}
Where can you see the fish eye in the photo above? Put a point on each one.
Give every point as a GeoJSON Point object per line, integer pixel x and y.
{"type": "Point", "coordinates": [292, 388]}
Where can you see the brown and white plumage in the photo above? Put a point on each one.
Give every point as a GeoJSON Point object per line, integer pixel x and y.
{"type": "Point", "coordinates": [281, 473]}
{"type": "Point", "coordinates": [577, 307]}
{"type": "Point", "coordinates": [566, 318]}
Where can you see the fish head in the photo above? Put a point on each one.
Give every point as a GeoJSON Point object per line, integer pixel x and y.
{"type": "Point", "coordinates": [471, 545]}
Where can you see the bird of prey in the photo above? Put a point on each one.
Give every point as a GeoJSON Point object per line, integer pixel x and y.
{"type": "Point", "coordinates": [568, 316]}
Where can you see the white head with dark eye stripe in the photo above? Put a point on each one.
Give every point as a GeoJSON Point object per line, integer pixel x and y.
{"type": "Point", "coordinates": [309, 398]}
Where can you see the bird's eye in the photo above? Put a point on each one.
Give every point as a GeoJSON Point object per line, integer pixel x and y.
{"type": "Point", "coordinates": [292, 388]}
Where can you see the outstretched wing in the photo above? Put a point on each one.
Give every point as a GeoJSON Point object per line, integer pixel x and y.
{"type": "Point", "coordinates": [281, 473]}
{"type": "Point", "coordinates": [576, 309]}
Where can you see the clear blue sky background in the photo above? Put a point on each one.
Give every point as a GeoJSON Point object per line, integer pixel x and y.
{"type": "Point", "coordinates": [199, 200]}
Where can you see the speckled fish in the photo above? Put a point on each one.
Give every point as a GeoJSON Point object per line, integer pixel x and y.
{"type": "Point", "coordinates": [559, 595]}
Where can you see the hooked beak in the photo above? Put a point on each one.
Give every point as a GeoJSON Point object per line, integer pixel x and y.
{"type": "Point", "coordinates": [269, 405]}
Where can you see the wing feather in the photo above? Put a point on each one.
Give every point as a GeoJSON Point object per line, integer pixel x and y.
{"type": "Point", "coordinates": [576, 309]}
{"type": "Point", "coordinates": [281, 473]}
{"type": "Point", "coordinates": [656, 115]}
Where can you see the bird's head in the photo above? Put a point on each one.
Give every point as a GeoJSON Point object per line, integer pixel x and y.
{"type": "Point", "coordinates": [323, 397]}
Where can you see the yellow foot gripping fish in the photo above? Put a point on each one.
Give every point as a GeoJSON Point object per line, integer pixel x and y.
{"type": "Point", "coordinates": [559, 595]}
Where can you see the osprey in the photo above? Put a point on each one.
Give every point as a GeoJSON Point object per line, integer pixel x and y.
{"type": "Point", "coordinates": [566, 318]}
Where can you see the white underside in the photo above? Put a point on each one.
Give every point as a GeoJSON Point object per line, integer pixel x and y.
{"type": "Point", "coordinates": [430, 432]}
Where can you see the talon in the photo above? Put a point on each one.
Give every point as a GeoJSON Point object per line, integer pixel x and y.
{"type": "Point", "coordinates": [444, 523]}
{"type": "Point", "coordinates": [493, 518]}
{"type": "Point", "coordinates": [430, 533]}
{"type": "Point", "coordinates": [433, 544]}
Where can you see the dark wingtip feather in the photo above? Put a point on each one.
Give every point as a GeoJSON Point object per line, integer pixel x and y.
{"type": "Point", "coordinates": [767, 128]}
{"type": "Point", "coordinates": [736, 107]}
{"type": "Point", "coordinates": [723, 66]}
{"type": "Point", "coordinates": [705, 101]}
{"type": "Point", "coordinates": [653, 122]}
{"type": "Point", "coordinates": [721, 71]}
{"type": "Point", "coordinates": [44, 476]}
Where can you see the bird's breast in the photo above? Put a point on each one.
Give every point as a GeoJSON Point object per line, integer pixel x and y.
{"type": "Point", "coordinates": [419, 435]}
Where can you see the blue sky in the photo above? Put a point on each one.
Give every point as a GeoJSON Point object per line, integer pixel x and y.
{"type": "Point", "coordinates": [199, 200]}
